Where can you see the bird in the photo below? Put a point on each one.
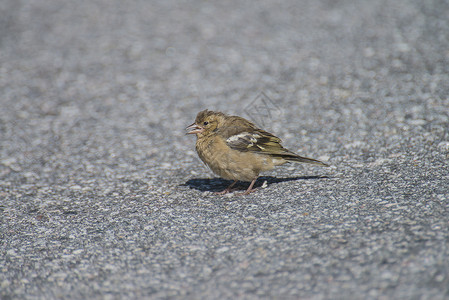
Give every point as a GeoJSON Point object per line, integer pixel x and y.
{"type": "Point", "coordinates": [236, 149]}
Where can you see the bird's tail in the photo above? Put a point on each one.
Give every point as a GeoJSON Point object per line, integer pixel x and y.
{"type": "Point", "coordinates": [297, 158]}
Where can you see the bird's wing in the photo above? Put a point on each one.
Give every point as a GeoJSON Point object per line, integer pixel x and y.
{"type": "Point", "coordinates": [242, 135]}
{"type": "Point", "coordinates": [247, 137]}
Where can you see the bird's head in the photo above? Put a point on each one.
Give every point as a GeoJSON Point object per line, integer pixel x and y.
{"type": "Point", "coordinates": [206, 123]}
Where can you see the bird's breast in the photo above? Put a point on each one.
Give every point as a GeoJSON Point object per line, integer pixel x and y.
{"type": "Point", "coordinates": [229, 163]}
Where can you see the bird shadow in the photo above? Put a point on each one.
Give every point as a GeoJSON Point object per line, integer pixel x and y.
{"type": "Point", "coordinates": [219, 184]}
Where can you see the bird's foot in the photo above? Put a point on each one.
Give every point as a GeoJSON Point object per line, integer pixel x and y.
{"type": "Point", "coordinates": [224, 191]}
{"type": "Point", "coordinates": [247, 192]}
{"type": "Point", "coordinates": [227, 190]}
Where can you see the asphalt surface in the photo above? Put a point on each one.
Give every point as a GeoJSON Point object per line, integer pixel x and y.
{"type": "Point", "coordinates": [103, 197]}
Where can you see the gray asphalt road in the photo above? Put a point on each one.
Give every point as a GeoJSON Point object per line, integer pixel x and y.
{"type": "Point", "coordinates": [103, 197]}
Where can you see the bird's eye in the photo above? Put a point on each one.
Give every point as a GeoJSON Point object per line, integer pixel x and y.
{"type": "Point", "coordinates": [205, 123]}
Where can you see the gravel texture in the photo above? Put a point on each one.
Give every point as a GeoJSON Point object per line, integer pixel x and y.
{"type": "Point", "coordinates": [103, 197]}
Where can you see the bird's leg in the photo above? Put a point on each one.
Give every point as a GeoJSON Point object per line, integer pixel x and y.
{"type": "Point", "coordinates": [250, 188]}
{"type": "Point", "coordinates": [227, 190]}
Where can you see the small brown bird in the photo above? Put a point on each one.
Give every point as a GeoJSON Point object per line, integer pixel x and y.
{"type": "Point", "coordinates": [234, 148]}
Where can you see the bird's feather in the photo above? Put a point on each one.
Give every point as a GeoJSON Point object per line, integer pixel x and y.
{"type": "Point", "coordinates": [244, 136]}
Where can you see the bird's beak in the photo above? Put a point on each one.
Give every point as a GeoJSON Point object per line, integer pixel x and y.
{"type": "Point", "coordinates": [192, 129]}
